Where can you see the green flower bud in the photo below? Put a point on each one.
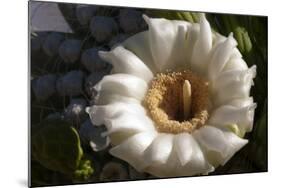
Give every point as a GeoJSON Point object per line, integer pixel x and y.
{"type": "Point", "coordinates": [243, 39]}
{"type": "Point", "coordinates": [84, 170]}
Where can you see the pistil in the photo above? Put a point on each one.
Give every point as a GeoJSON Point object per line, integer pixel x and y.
{"type": "Point", "coordinates": [186, 90]}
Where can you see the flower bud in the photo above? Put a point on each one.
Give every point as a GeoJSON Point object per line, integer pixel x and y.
{"type": "Point", "coordinates": [84, 13]}
{"type": "Point", "coordinates": [70, 50]}
{"type": "Point", "coordinates": [103, 28]}
{"type": "Point", "coordinates": [131, 21]}
{"type": "Point", "coordinates": [91, 60]}
{"type": "Point", "coordinates": [44, 86]}
{"type": "Point", "coordinates": [70, 84]}
{"type": "Point", "coordinates": [52, 43]}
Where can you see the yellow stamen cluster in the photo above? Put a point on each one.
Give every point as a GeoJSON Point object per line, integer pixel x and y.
{"type": "Point", "coordinates": [164, 102]}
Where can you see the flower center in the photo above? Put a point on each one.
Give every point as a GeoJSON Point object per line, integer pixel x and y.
{"type": "Point", "coordinates": [177, 102]}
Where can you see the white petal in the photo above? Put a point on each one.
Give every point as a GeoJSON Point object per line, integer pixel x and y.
{"type": "Point", "coordinates": [159, 150]}
{"type": "Point", "coordinates": [227, 115]}
{"type": "Point", "coordinates": [167, 169]}
{"type": "Point", "coordinates": [242, 102]}
{"type": "Point", "coordinates": [235, 63]}
{"type": "Point", "coordinates": [124, 61]}
{"type": "Point", "coordinates": [129, 124]}
{"type": "Point", "coordinates": [212, 138]}
{"type": "Point", "coordinates": [179, 59]}
{"type": "Point", "coordinates": [221, 56]}
{"type": "Point", "coordinates": [165, 37]}
{"type": "Point", "coordinates": [183, 146]}
{"type": "Point", "coordinates": [236, 54]}
{"type": "Point", "coordinates": [123, 84]}
{"type": "Point", "coordinates": [218, 38]}
{"type": "Point", "coordinates": [232, 85]}
{"type": "Point", "coordinates": [218, 146]}
{"type": "Point", "coordinates": [192, 35]}
{"type": "Point", "coordinates": [202, 47]}
{"type": "Point", "coordinates": [235, 143]}
{"type": "Point", "coordinates": [180, 23]}
{"type": "Point", "coordinates": [139, 45]}
{"type": "Point", "coordinates": [198, 163]}
{"type": "Point", "coordinates": [98, 113]}
{"type": "Point", "coordinates": [108, 97]}
{"type": "Point", "coordinates": [229, 77]}
{"type": "Point", "coordinates": [132, 150]}
{"type": "Point", "coordinates": [166, 162]}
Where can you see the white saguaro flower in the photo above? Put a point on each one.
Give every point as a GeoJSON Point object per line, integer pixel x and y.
{"type": "Point", "coordinates": [177, 102]}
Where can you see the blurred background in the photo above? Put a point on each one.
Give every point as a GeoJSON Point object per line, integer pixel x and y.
{"type": "Point", "coordinates": [64, 66]}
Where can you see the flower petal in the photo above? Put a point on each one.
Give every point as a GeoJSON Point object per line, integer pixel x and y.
{"type": "Point", "coordinates": [202, 47]}
{"type": "Point", "coordinates": [139, 45]}
{"type": "Point", "coordinates": [165, 39]}
{"type": "Point", "coordinates": [123, 84]}
{"type": "Point", "coordinates": [129, 124]}
{"type": "Point", "coordinates": [159, 150]}
{"type": "Point", "coordinates": [192, 35]}
{"type": "Point", "coordinates": [218, 146]}
{"type": "Point", "coordinates": [108, 97]}
{"type": "Point", "coordinates": [218, 38]}
{"type": "Point", "coordinates": [124, 61]}
{"type": "Point", "coordinates": [196, 163]}
{"type": "Point", "coordinates": [228, 77]}
{"type": "Point", "coordinates": [98, 113]}
{"type": "Point", "coordinates": [227, 115]}
{"type": "Point", "coordinates": [220, 57]}
{"type": "Point", "coordinates": [235, 63]}
{"type": "Point", "coordinates": [242, 102]}
{"type": "Point", "coordinates": [179, 61]}
{"type": "Point", "coordinates": [132, 149]}
{"type": "Point", "coordinates": [232, 85]}
{"type": "Point", "coordinates": [183, 146]}
{"type": "Point", "coordinates": [235, 143]}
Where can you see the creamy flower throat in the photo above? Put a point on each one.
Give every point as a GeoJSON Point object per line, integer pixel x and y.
{"type": "Point", "coordinates": [177, 102]}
